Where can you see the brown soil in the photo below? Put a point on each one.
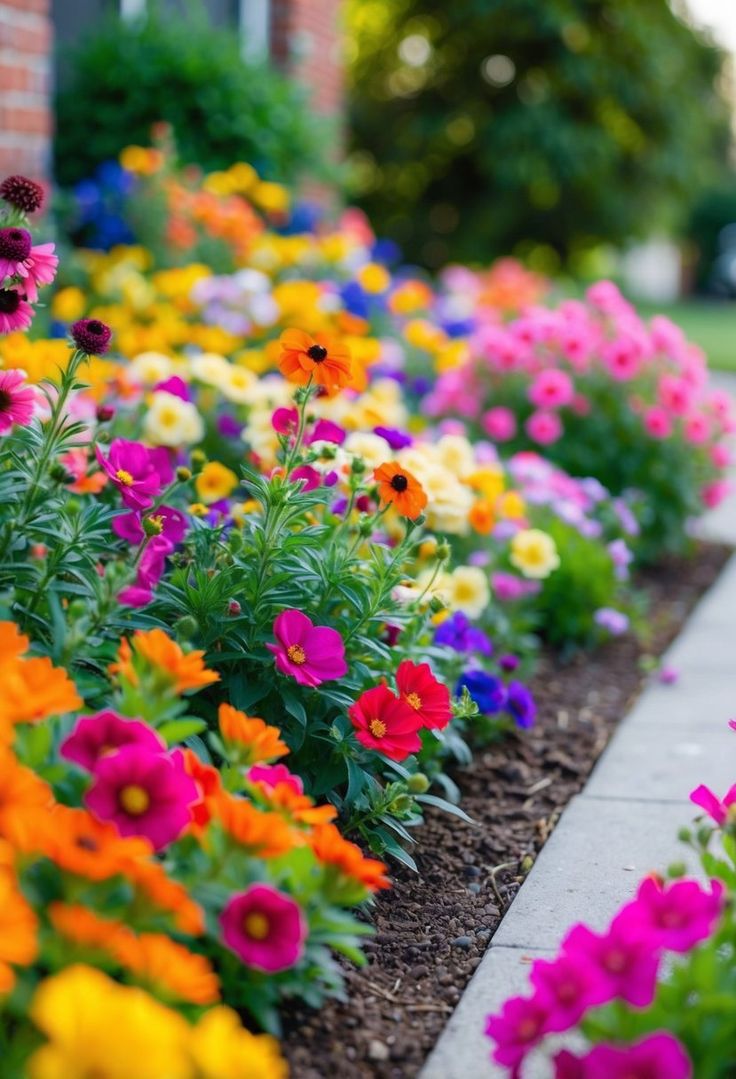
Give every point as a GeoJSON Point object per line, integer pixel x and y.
{"type": "Point", "coordinates": [433, 928]}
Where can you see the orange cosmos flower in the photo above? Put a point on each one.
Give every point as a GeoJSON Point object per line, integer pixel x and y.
{"type": "Point", "coordinates": [482, 517]}
{"type": "Point", "coordinates": [167, 894]}
{"type": "Point", "coordinates": [24, 802]}
{"type": "Point", "coordinates": [169, 967]}
{"type": "Point", "coordinates": [33, 689]}
{"type": "Point", "coordinates": [254, 741]}
{"type": "Point", "coordinates": [325, 361]}
{"type": "Point", "coordinates": [12, 642]}
{"type": "Point", "coordinates": [399, 488]}
{"type": "Point", "coordinates": [284, 793]}
{"type": "Point", "coordinates": [87, 847]}
{"type": "Point", "coordinates": [18, 929]}
{"type": "Point", "coordinates": [265, 834]}
{"type": "Point", "coordinates": [184, 670]}
{"type": "Point", "coordinates": [331, 849]}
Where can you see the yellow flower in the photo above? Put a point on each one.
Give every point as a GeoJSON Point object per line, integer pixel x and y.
{"type": "Point", "coordinates": [68, 304]}
{"type": "Point", "coordinates": [511, 505]}
{"type": "Point", "coordinates": [273, 198]}
{"type": "Point", "coordinates": [466, 589]}
{"type": "Point", "coordinates": [489, 481]}
{"type": "Point", "coordinates": [172, 422]}
{"type": "Point", "coordinates": [237, 383]}
{"type": "Point", "coordinates": [454, 355]}
{"type": "Point", "coordinates": [223, 1049]}
{"type": "Point", "coordinates": [95, 1026]}
{"type": "Point", "coordinates": [374, 278]}
{"type": "Point", "coordinates": [425, 335]}
{"type": "Point", "coordinates": [534, 553]}
{"type": "Point", "coordinates": [215, 481]}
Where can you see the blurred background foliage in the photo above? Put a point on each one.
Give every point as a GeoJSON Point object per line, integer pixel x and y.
{"type": "Point", "coordinates": [126, 75]}
{"type": "Point", "coordinates": [482, 127]}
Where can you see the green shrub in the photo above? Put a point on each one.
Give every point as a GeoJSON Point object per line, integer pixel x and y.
{"type": "Point", "coordinates": [126, 75]}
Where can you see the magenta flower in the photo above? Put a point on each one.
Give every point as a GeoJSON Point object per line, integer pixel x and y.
{"type": "Point", "coordinates": [627, 966]}
{"type": "Point", "coordinates": [95, 736]}
{"type": "Point", "coordinates": [17, 401]}
{"type": "Point", "coordinates": [716, 808]}
{"type": "Point", "coordinates": [676, 918]}
{"type": "Point", "coordinates": [265, 928]}
{"type": "Point", "coordinates": [310, 654]}
{"type": "Point", "coordinates": [567, 987]}
{"type": "Point", "coordinates": [517, 1028]}
{"type": "Point", "coordinates": [143, 793]}
{"type": "Point", "coordinates": [657, 1056]}
{"type": "Point", "coordinates": [310, 477]}
{"type": "Point", "coordinates": [326, 431]}
{"type": "Point", "coordinates": [134, 470]}
{"type": "Point", "coordinates": [15, 247]}
{"type": "Point", "coordinates": [173, 524]}
{"type": "Point", "coordinates": [551, 388]}
{"type": "Point", "coordinates": [150, 571]}
{"type": "Point", "coordinates": [285, 421]}
{"type": "Point", "coordinates": [269, 776]}
{"type": "Point", "coordinates": [499, 423]}
{"type": "Point", "coordinates": [544, 427]}
{"type": "Point", "coordinates": [15, 313]}
{"type": "Point", "coordinates": [41, 266]}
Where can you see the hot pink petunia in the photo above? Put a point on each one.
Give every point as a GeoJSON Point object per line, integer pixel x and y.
{"type": "Point", "coordinates": [17, 401]}
{"type": "Point", "coordinates": [149, 572]}
{"type": "Point", "coordinates": [657, 422]}
{"type": "Point", "coordinates": [385, 723]}
{"type": "Point", "coordinates": [676, 917]}
{"type": "Point", "coordinates": [95, 736]}
{"type": "Point", "coordinates": [628, 966]}
{"type": "Point", "coordinates": [499, 423]}
{"type": "Point", "coordinates": [551, 389]}
{"type": "Point", "coordinates": [657, 1056]}
{"type": "Point", "coordinates": [135, 471]}
{"type": "Point", "coordinates": [310, 654]}
{"type": "Point", "coordinates": [265, 928]}
{"type": "Point", "coordinates": [567, 987]}
{"type": "Point", "coordinates": [429, 698]}
{"type": "Point", "coordinates": [716, 808]}
{"type": "Point", "coordinates": [143, 793]}
{"type": "Point", "coordinates": [517, 1028]}
{"type": "Point", "coordinates": [544, 427]}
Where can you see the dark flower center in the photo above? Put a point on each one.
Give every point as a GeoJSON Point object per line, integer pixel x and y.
{"type": "Point", "coordinates": [15, 244]}
{"type": "Point", "coordinates": [95, 327]}
{"type": "Point", "coordinates": [399, 482]}
{"type": "Point", "coordinates": [5, 401]}
{"type": "Point", "coordinates": [86, 842]}
{"type": "Point", "coordinates": [9, 301]}
{"type": "Point", "coordinates": [318, 353]}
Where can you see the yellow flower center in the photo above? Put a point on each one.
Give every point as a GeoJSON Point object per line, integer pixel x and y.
{"type": "Point", "coordinates": [296, 654]}
{"type": "Point", "coordinates": [134, 800]}
{"type": "Point", "coordinates": [156, 523]}
{"type": "Point", "coordinates": [256, 925]}
{"type": "Point", "coordinates": [377, 728]}
{"type": "Point", "coordinates": [125, 477]}
{"type": "Point", "coordinates": [415, 701]}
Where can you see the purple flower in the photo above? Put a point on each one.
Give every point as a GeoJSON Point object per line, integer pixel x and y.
{"type": "Point", "coordinates": [173, 524]}
{"type": "Point", "coordinates": [134, 470]}
{"type": "Point", "coordinates": [457, 633]}
{"type": "Point", "coordinates": [521, 704]}
{"type": "Point", "coordinates": [615, 622]}
{"type": "Point", "coordinates": [621, 556]}
{"type": "Point", "coordinates": [228, 426]}
{"type": "Point", "coordinates": [396, 439]}
{"type": "Point", "coordinates": [488, 692]}
{"type": "Point", "coordinates": [91, 336]}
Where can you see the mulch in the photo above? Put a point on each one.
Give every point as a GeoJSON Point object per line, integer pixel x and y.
{"type": "Point", "coordinates": [432, 928]}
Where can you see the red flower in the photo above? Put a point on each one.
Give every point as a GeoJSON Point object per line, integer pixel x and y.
{"type": "Point", "coordinates": [429, 698]}
{"type": "Point", "coordinates": [384, 723]}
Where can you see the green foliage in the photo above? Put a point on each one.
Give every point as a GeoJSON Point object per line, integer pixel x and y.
{"type": "Point", "coordinates": [126, 75]}
{"type": "Point", "coordinates": [605, 123]}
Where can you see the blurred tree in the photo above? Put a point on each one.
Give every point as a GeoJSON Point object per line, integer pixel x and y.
{"type": "Point", "coordinates": [484, 126]}
{"type": "Point", "coordinates": [127, 74]}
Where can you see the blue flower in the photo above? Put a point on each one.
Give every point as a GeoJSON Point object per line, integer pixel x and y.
{"type": "Point", "coordinates": [396, 439]}
{"type": "Point", "coordinates": [457, 633]}
{"type": "Point", "coordinates": [488, 692]}
{"type": "Point", "coordinates": [521, 704]}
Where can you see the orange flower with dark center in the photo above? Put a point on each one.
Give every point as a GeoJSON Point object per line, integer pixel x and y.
{"type": "Point", "coordinates": [184, 670]}
{"type": "Point", "coordinates": [80, 844]}
{"type": "Point", "coordinates": [320, 359]}
{"type": "Point", "coordinates": [332, 849]}
{"type": "Point", "coordinates": [401, 489]}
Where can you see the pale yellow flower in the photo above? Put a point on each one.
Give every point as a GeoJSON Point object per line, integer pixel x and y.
{"type": "Point", "coordinates": [534, 553]}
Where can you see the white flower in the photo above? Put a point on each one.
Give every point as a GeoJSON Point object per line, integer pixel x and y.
{"type": "Point", "coordinates": [172, 422]}
{"type": "Point", "coordinates": [148, 368]}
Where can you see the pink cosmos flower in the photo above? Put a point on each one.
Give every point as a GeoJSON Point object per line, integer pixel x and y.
{"type": "Point", "coordinates": [17, 401]}
{"type": "Point", "coordinates": [104, 732]}
{"type": "Point", "coordinates": [15, 313]}
{"type": "Point", "coordinates": [657, 1056]}
{"type": "Point", "coordinates": [516, 1029]}
{"type": "Point", "coordinates": [135, 471]}
{"type": "Point", "coordinates": [143, 793]}
{"type": "Point", "coordinates": [310, 654]}
{"type": "Point", "coordinates": [628, 967]}
{"type": "Point", "coordinates": [622, 358]}
{"type": "Point", "coordinates": [265, 928]}
{"type": "Point", "coordinates": [174, 525]}
{"type": "Point", "coordinates": [567, 987]}
{"type": "Point", "coordinates": [499, 423]}
{"type": "Point", "coordinates": [544, 427]}
{"type": "Point", "coordinates": [676, 917]}
{"type": "Point", "coordinates": [273, 775]}
{"type": "Point", "coordinates": [551, 389]}
{"type": "Point", "coordinates": [657, 422]}
{"type": "Point", "coordinates": [716, 808]}
{"type": "Point", "coordinates": [41, 266]}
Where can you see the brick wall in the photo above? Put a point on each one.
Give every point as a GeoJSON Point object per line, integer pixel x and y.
{"type": "Point", "coordinates": [306, 39]}
{"type": "Point", "coordinates": [25, 71]}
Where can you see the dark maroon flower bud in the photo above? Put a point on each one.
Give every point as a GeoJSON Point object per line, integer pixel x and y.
{"type": "Point", "coordinates": [508, 662]}
{"type": "Point", "coordinates": [234, 607]}
{"type": "Point", "coordinates": [24, 194]}
{"type": "Point", "coordinates": [104, 413]}
{"type": "Point", "coordinates": [91, 336]}
{"type": "Point", "coordinates": [15, 244]}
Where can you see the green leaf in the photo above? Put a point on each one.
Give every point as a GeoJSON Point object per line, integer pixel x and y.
{"type": "Point", "coordinates": [176, 730]}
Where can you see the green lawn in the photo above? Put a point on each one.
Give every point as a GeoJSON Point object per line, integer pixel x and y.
{"type": "Point", "coordinates": [711, 325]}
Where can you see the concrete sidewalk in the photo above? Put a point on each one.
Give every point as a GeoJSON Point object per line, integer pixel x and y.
{"type": "Point", "coordinates": [622, 825]}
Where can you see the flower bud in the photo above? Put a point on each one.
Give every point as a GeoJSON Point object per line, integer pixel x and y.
{"type": "Point", "coordinates": [183, 474]}
{"type": "Point", "coordinates": [437, 604]}
{"type": "Point", "coordinates": [104, 413]}
{"type": "Point", "coordinates": [234, 608]}
{"type": "Point", "coordinates": [418, 783]}
{"type": "Point", "coordinates": [443, 551]}
{"type": "Point", "coordinates": [186, 627]}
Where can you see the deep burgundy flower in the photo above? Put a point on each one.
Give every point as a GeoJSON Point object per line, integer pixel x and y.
{"type": "Point", "coordinates": [24, 194]}
{"type": "Point", "coordinates": [15, 246]}
{"type": "Point", "coordinates": [91, 336]}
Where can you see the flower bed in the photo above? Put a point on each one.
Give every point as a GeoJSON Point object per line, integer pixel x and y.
{"type": "Point", "coordinates": [219, 501]}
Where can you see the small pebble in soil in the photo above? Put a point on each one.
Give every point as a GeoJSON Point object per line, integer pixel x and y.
{"type": "Point", "coordinates": [378, 1050]}
{"type": "Point", "coordinates": [474, 888]}
{"type": "Point", "coordinates": [462, 942]}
